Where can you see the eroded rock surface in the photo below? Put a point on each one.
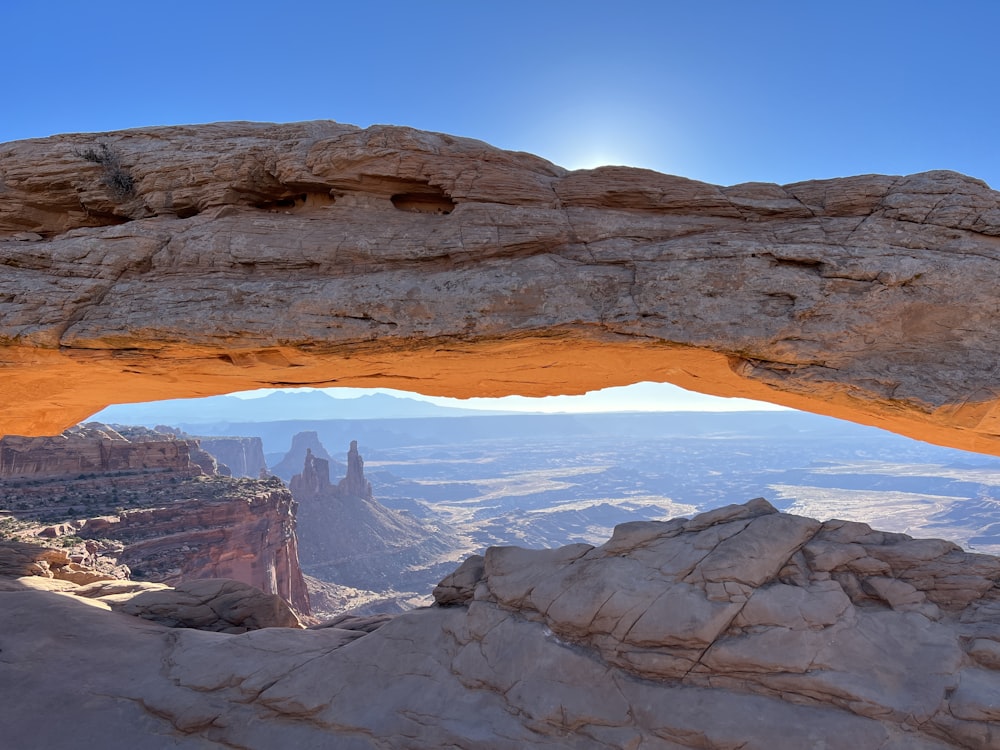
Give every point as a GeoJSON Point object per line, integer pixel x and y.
{"type": "Point", "coordinates": [215, 604]}
{"type": "Point", "coordinates": [250, 255]}
{"type": "Point", "coordinates": [147, 505]}
{"type": "Point", "coordinates": [753, 601]}
{"type": "Point", "coordinates": [824, 635]}
{"type": "Point", "coordinates": [96, 448]}
{"type": "Point", "coordinates": [244, 456]}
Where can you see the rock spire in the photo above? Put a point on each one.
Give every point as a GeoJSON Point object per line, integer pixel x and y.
{"type": "Point", "coordinates": [355, 483]}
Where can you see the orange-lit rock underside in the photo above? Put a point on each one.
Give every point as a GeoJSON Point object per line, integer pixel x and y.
{"type": "Point", "coordinates": [252, 256]}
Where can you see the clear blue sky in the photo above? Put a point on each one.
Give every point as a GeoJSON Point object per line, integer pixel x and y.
{"type": "Point", "coordinates": [725, 91]}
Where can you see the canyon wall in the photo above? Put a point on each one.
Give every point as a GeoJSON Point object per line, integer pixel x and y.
{"type": "Point", "coordinates": [94, 448]}
{"type": "Point", "coordinates": [153, 503]}
{"type": "Point", "coordinates": [246, 533]}
{"type": "Point", "coordinates": [319, 254]}
{"type": "Point", "coordinates": [243, 456]}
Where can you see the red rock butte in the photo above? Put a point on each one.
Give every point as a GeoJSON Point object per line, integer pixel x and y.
{"type": "Point", "coordinates": [190, 261]}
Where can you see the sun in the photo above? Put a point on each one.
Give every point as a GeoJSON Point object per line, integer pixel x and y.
{"type": "Point", "coordinates": [606, 135]}
{"type": "Point", "coordinates": [594, 159]}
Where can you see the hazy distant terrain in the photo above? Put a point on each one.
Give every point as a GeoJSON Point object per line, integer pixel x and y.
{"type": "Point", "coordinates": [551, 479]}
{"type": "Point", "coordinates": [273, 407]}
{"type": "Point", "coordinates": [546, 490]}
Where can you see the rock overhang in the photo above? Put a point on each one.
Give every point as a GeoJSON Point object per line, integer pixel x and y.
{"type": "Point", "coordinates": [254, 255]}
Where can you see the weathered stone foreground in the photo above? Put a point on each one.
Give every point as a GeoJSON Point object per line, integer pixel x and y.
{"type": "Point", "coordinates": [739, 628]}
{"type": "Point", "coordinates": [207, 259]}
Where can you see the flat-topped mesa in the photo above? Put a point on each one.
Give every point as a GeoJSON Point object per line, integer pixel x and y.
{"type": "Point", "coordinates": [243, 456]}
{"type": "Point", "coordinates": [96, 448]}
{"type": "Point", "coordinates": [319, 254]}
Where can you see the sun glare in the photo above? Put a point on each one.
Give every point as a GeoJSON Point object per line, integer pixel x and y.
{"type": "Point", "coordinates": [636, 397]}
{"type": "Point", "coordinates": [594, 160]}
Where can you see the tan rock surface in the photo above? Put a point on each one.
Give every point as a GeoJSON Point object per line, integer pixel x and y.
{"type": "Point", "coordinates": [655, 602]}
{"type": "Point", "coordinates": [216, 604]}
{"type": "Point", "coordinates": [552, 651]}
{"type": "Point", "coordinates": [250, 255]}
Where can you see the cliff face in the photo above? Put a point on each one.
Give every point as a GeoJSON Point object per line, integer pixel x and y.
{"type": "Point", "coordinates": [246, 532]}
{"type": "Point", "coordinates": [95, 448]}
{"type": "Point", "coordinates": [139, 502]}
{"type": "Point", "coordinates": [322, 254]}
{"type": "Point", "coordinates": [349, 538]}
{"type": "Point", "coordinates": [244, 456]}
{"type": "Point", "coordinates": [738, 628]}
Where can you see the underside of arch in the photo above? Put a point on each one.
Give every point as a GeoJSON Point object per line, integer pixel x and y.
{"type": "Point", "coordinates": [316, 254]}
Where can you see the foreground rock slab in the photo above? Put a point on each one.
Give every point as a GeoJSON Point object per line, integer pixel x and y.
{"type": "Point", "coordinates": [739, 628]}
{"type": "Point", "coordinates": [186, 261]}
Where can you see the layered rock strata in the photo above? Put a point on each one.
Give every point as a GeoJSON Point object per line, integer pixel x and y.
{"type": "Point", "coordinates": [323, 254]}
{"type": "Point", "coordinates": [242, 531]}
{"type": "Point", "coordinates": [23, 559]}
{"type": "Point", "coordinates": [747, 601]}
{"type": "Point", "coordinates": [135, 502]}
{"type": "Point", "coordinates": [244, 456]}
{"type": "Point", "coordinates": [741, 627]}
{"type": "Point", "coordinates": [98, 449]}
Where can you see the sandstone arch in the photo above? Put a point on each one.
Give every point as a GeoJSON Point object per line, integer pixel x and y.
{"type": "Point", "coordinates": [255, 255]}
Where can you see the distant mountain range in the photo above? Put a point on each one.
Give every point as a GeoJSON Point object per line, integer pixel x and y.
{"type": "Point", "coordinates": [277, 406]}
{"type": "Point", "coordinates": [388, 432]}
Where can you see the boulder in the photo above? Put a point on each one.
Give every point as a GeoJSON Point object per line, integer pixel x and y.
{"type": "Point", "coordinates": [215, 604]}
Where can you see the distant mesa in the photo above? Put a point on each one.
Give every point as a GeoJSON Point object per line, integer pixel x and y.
{"type": "Point", "coordinates": [303, 444]}
{"type": "Point", "coordinates": [236, 456]}
{"type": "Point", "coordinates": [100, 448]}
